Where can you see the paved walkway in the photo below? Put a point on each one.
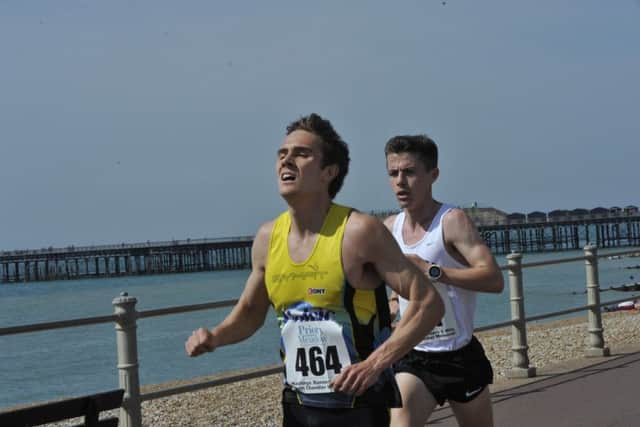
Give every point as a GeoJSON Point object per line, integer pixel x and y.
{"type": "Point", "coordinates": [598, 392]}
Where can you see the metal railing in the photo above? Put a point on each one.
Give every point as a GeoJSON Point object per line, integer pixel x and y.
{"type": "Point", "coordinates": [125, 317]}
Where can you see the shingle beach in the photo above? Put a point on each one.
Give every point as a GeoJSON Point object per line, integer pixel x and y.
{"type": "Point", "coordinates": [256, 402]}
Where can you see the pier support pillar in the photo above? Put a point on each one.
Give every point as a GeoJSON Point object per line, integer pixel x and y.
{"type": "Point", "coordinates": [595, 345]}
{"type": "Point", "coordinates": [520, 357]}
{"type": "Point", "coordinates": [127, 343]}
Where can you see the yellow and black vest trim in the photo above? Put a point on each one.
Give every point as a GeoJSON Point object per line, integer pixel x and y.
{"type": "Point", "coordinates": [316, 290]}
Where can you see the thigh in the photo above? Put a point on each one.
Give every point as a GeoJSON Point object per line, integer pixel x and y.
{"type": "Point", "coordinates": [417, 402]}
{"type": "Point", "coordinates": [295, 415]}
{"type": "Point", "coordinates": [477, 412]}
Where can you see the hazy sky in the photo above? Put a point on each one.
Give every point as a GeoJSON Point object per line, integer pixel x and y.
{"type": "Point", "coordinates": [127, 121]}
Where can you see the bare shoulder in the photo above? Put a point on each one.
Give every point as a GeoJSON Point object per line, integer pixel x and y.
{"type": "Point", "coordinates": [264, 232]}
{"type": "Point", "coordinates": [366, 239]}
{"type": "Point", "coordinates": [362, 235]}
{"type": "Point", "coordinates": [260, 247]}
{"type": "Point", "coordinates": [455, 216]}
{"type": "Point", "coordinates": [362, 226]}
{"type": "Point", "coordinates": [457, 219]}
{"type": "Point", "coordinates": [459, 229]}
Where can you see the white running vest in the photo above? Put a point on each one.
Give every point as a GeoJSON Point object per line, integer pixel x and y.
{"type": "Point", "coordinates": [456, 327]}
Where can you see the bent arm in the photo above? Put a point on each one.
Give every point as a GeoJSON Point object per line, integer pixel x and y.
{"type": "Point", "coordinates": [464, 243]}
{"type": "Point", "coordinates": [462, 237]}
{"type": "Point", "coordinates": [424, 308]}
{"type": "Point", "coordinates": [394, 303]}
{"type": "Point", "coordinates": [248, 315]}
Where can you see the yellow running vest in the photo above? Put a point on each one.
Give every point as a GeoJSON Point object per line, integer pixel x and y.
{"type": "Point", "coordinates": [325, 324]}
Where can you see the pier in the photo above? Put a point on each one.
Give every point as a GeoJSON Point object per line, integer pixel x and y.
{"type": "Point", "coordinates": [560, 232]}
{"type": "Point", "coordinates": [504, 233]}
{"type": "Point", "coordinates": [177, 256]}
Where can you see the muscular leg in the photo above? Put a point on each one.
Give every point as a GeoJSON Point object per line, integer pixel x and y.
{"type": "Point", "coordinates": [477, 413]}
{"type": "Point", "coordinates": [417, 402]}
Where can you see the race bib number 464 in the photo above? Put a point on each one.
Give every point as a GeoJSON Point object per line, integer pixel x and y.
{"type": "Point", "coordinates": [315, 353]}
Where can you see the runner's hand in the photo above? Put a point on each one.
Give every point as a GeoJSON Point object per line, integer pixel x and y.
{"type": "Point", "coordinates": [355, 379]}
{"type": "Point", "coordinates": [201, 341]}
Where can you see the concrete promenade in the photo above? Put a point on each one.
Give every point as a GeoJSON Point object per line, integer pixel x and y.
{"type": "Point", "coordinates": [594, 392]}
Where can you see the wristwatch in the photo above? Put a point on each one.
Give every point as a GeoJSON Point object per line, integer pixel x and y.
{"type": "Point", "coordinates": [434, 272]}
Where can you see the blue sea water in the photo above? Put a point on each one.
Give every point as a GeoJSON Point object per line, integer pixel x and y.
{"type": "Point", "coordinates": [51, 364]}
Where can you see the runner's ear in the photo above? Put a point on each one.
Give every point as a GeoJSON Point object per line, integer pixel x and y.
{"type": "Point", "coordinates": [435, 173]}
{"type": "Point", "coordinates": [331, 171]}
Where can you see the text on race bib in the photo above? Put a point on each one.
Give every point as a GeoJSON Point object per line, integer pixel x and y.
{"type": "Point", "coordinates": [316, 352]}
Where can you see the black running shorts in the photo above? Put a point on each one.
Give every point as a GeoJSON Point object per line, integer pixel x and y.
{"type": "Point", "coordinates": [295, 415]}
{"type": "Point", "coordinates": [458, 375]}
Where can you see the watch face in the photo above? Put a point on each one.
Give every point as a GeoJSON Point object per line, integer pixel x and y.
{"type": "Point", "coordinates": [435, 272]}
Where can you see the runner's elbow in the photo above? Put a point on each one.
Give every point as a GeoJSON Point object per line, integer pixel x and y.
{"type": "Point", "coordinates": [497, 283]}
{"type": "Point", "coordinates": [250, 314]}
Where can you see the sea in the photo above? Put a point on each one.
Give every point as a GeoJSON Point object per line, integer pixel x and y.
{"type": "Point", "coordinates": [41, 366]}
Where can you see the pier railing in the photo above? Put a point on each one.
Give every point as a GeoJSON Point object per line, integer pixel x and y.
{"type": "Point", "coordinates": [139, 245]}
{"type": "Point", "coordinates": [125, 318]}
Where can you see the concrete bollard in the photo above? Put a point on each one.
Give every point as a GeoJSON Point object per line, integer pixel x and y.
{"type": "Point", "coordinates": [127, 342]}
{"type": "Point", "coordinates": [595, 345]}
{"type": "Point", "coordinates": [520, 357]}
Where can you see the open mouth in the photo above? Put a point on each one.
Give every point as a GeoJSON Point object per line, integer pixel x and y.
{"type": "Point", "coordinates": [287, 176]}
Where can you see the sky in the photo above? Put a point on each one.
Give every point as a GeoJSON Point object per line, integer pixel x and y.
{"type": "Point", "coordinates": [128, 121]}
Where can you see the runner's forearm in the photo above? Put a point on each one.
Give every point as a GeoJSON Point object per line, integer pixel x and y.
{"type": "Point", "coordinates": [419, 319]}
{"type": "Point", "coordinates": [479, 279]}
{"type": "Point", "coordinates": [239, 325]}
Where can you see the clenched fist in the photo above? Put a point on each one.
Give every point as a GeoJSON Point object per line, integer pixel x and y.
{"type": "Point", "coordinates": [201, 341]}
{"type": "Point", "coordinates": [356, 378]}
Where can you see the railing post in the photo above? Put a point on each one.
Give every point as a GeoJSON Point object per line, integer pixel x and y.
{"type": "Point", "coordinates": [520, 357]}
{"type": "Point", "coordinates": [127, 342]}
{"type": "Point", "coordinates": [595, 346]}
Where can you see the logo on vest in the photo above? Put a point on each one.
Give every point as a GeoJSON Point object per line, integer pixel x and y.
{"type": "Point", "coordinates": [316, 291]}
{"type": "Point", "coordinates": [299, 276]}
{"type": "Point", "coordinates": [308, 315]}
